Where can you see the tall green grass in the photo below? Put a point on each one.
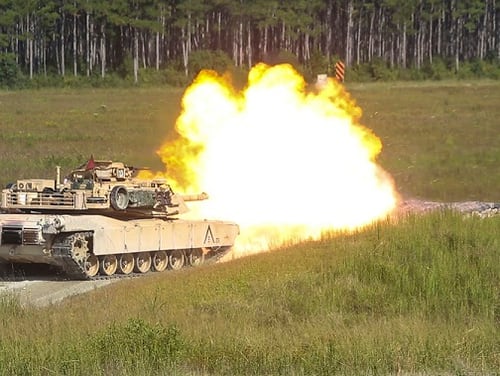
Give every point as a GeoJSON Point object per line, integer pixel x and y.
{"type": "Point", "coordinates": [417, 296]}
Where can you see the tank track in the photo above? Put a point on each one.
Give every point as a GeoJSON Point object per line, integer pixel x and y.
{"type": "Point", "coordinates": [73, 266]}
{"type": "Point", "coordinates": [62, 250]}
{"type": "Point", "coordinates": [216, 255]}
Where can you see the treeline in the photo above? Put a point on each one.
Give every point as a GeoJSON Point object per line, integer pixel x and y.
{"type": "Point", "coordinates": [95, 38]}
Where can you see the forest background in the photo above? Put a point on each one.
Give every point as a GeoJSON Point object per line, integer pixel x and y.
{"type": "Point", "coordinates": [130, 42]}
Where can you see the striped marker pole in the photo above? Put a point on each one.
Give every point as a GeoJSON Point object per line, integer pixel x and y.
{"type": "Point", "coordinates": [339, 71]}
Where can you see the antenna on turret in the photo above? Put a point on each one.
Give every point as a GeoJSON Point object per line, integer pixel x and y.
{"type": "Point", "coordinates": [58, 176]}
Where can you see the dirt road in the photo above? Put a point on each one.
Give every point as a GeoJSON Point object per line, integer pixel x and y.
{"type": "Point", "coordinates": [43, 292]}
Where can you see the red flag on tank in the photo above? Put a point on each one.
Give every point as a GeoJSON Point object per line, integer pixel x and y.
{"type": "Point", "coordinates": [90, 163]}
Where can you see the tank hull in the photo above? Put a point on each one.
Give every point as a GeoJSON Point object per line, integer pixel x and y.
{"type": "Point", "coordinates": [74, 241]}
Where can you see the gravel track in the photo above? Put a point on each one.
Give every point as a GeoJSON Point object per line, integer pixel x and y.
{"type": "Point", "coordinates": [479, 208]}
{"type": "Point", "coordinates": [41, 291]}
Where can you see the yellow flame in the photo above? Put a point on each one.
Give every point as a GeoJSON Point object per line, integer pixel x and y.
{"type": "Point", "coordinates": [284, 163]}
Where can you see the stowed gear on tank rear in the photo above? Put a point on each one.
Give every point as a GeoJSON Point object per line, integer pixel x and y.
{"type": "Point", "coordinates": [102, 219]}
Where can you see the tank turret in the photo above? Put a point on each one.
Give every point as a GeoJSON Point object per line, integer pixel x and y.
{"type": "Point", "coordinates": [97, 186]}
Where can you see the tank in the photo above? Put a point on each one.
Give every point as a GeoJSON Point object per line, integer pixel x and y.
{"type": "Point", "coordinates": [102, 221]}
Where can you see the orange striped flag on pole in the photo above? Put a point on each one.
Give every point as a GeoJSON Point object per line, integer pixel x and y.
{"type": "Point", "coordinates": [339, 71]}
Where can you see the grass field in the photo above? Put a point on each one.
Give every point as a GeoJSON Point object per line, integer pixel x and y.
{"type": "Point", "coordinates": [441, 140]}
{"type": "Point", "coordinates": [40, 129]}
{"type": "Point", "coordinates": [421, 296]}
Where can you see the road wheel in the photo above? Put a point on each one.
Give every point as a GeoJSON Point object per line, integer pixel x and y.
{"type": "Point", "coordinates": [91, 265]}
{"type": "Point", "coordinates": [196, 257]}
{"type": "Point", "coordinates": [108, 264]}
{"type": "Point", "coordinates": [126, 263]}
{"type": "Point", "coordinates": [160, 261]}
{"type": "Point", "coordinates": [142, 262]}
{"type": "Point", "coordinates": [176, 259]}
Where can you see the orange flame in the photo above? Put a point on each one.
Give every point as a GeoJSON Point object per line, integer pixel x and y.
{"type": "Point", "coordinates": [284, 163]}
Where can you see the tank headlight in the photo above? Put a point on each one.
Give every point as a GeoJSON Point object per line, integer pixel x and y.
{"type": "Point", "coordinates": [52, 225]}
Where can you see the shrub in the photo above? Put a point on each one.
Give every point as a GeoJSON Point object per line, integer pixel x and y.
{"type": "Point", "coordinates": [126, 67]}
{"type": "Point", "coordinates": [174, 77]}
{"type": "Point", "coordinates": [405, 74]}
{"type": "Point", "coordinates": [319, 64]}
{"type": "Point", "coordinates": [380, 71]}
{"type": "Point", "coordinates": [150, 76]}
{"type": "Point", "coordinates": [492, 70]}
{"type": "Point", "coordinates": [484, 69]}
{"type": "Point", "coordinates": [217, 60]}
{"type": "Point", "coordinates": [358, 73]}
{"type": "Point", "coordinates": [466, 71]}
{"type": "Point", "coordinates": [9, 70]}
{"type": "Point", "coordinates": [109, 80]}
{"type": "Point", "coordinates": [283, 57]}
{"type": "Point", "coordinates": [438, 70]}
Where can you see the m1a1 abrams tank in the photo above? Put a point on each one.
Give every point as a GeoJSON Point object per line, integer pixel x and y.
{"type": "Point", "coordinates": [102, 220]}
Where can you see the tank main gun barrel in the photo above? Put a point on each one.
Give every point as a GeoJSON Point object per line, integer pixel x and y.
{"type": "Point", "coordinates": [195, 197]}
